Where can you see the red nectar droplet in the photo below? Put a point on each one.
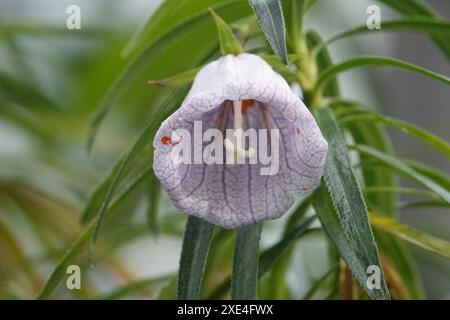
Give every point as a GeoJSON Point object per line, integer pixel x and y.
{"type": "Point", "coordinates": [166, 140]}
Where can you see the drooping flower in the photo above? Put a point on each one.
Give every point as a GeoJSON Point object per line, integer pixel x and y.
{"type": "Point", "coordinates": [238, 93]}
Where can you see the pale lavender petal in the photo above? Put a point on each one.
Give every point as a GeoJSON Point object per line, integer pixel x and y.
{"type": "Point", "coordinates": [236, 195]}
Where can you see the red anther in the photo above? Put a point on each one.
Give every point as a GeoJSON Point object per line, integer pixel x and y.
{"type": "Point", "coordinates": [246, 103]}
{"type": "Point", "coordinates": [166, 140]}
{"type": "Point", "coordinates": [298, 131]}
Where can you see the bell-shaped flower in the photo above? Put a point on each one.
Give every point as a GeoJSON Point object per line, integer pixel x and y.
{"type": "Point", "coordinates": [226, 179]}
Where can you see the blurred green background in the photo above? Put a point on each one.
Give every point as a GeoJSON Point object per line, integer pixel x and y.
{"type": "Point", "coordinates": [51, 82]}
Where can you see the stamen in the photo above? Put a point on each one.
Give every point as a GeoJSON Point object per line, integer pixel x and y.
{"type": "Point", "coordinates": [247, 103]}
{"type": "Point", "coordinates": [236, 148]}
{"type": "Point", "coordinates": [220, 121]}
{"type": "Point", "coordinates": [265, 116]}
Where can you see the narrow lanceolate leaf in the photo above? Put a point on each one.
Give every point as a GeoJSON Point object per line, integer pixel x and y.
{"type": "Point", "coordinates": [193, 255]}
{"type": "Point", "coordinates": [185, 77]}
{"type": "Point", "coordinates": [375, 136]}
{"type": "Point", "coordinates": [429, 138]}
{"type": "Point", "coordinates": [15, 91]}
{"type": "Point", "coordinates": [419, 24]}
{"type": "Point", "coordinates": [60, 270]}
{"type": "Point", "coordinates": [229, 44]}
{"type": "Point", "coordinates": [311, 292]}
{"type": "Point", "coordinates": [419, 238]}
{"type": "Point", "coordinates": [375, 61]}
{"type": "Point", "coordinates": [409, 7]}
{"type": "Point", "coordinates": [328, 216]}
{"type": "Point", "coordinates": [271, 255]}
{"type": "Point", "coordinates": [404, 168]}
{"type": "Point", "coordinates": [97, 195]}
{"type": "Point", "coordinates": [169, 14]}
{"type": "Point", "coordinates": [438, 176]}
{"type": "Point", "coordinates": [270, 16]}
{"type": "Point", "coordinates": [424, 204]}
{"type": "Point", "coordinates": [409, 191]}
{"type": "Point", "coordinates": [418, 8]}
{"type": "Point", "coordinates": [245, 263]}
{"type": "Point", "coordinates": [348, 200]}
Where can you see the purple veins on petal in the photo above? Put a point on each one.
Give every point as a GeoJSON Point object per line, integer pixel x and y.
{"type": "Point", "coordinates": [231, 93]}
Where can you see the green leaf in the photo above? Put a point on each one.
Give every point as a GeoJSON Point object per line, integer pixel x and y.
{"type": "Point", "coordinates": [419, 238]}
{"type": "Point", "coordinates": [425, 204]}
{"type": "Point", "coordinates": [50, 30]}
{"type": "Point", "coordinates": [229, 44]}
{"type": "Point", "coordinates": [98, 194]}
{"type": "Point", "coordinates": [245, 263]}
{"type": "Point", "coordinates": [193, 255]}
{"type": "Point", "coordinates": [409, 191]}
{"type": "Point", "coordinates": [71, 253]}
{"type": "Point", "coordinates": [374, 61]}
{"type": "Point", "coordinates": [347, 198]}
{"type": "Point", "coordinates": [426, 25]}
{"type": "Point", "coordinates": [269, 256]}
{"type": "Point", "coordinates": [417, 8]}
{"type": "Point", "coordinates": [10, 241]}
{"type": "Point", "coordinates": [19, 92]}
{"type": "Point", "coordinates": [312, 291]}
{"type": "Point", "coordinates": [429, 138]}
{"type": "Point", "coordinates": [270, 17]}
{"type": "Point", "coordinates": [409, 7]}
{"type": "Point", "coordinates": [402, 167]}
{"type": "Point", "coordinates": [432, 173]}
{"type": "Point", "coordinates": [328, 216]}
{"type": "Point", "coordinates": [185, 77]}
{"type": "Point", "coordinates": [373, 135]}
{"type": "Point", "coordinates": [297, 215]}
{"type": "Point", "coordinates": [168, 292]}
{"type": "Point", "coordinates": [169, 14]}
{"type": "Point", "coordinates": [403, 262]}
